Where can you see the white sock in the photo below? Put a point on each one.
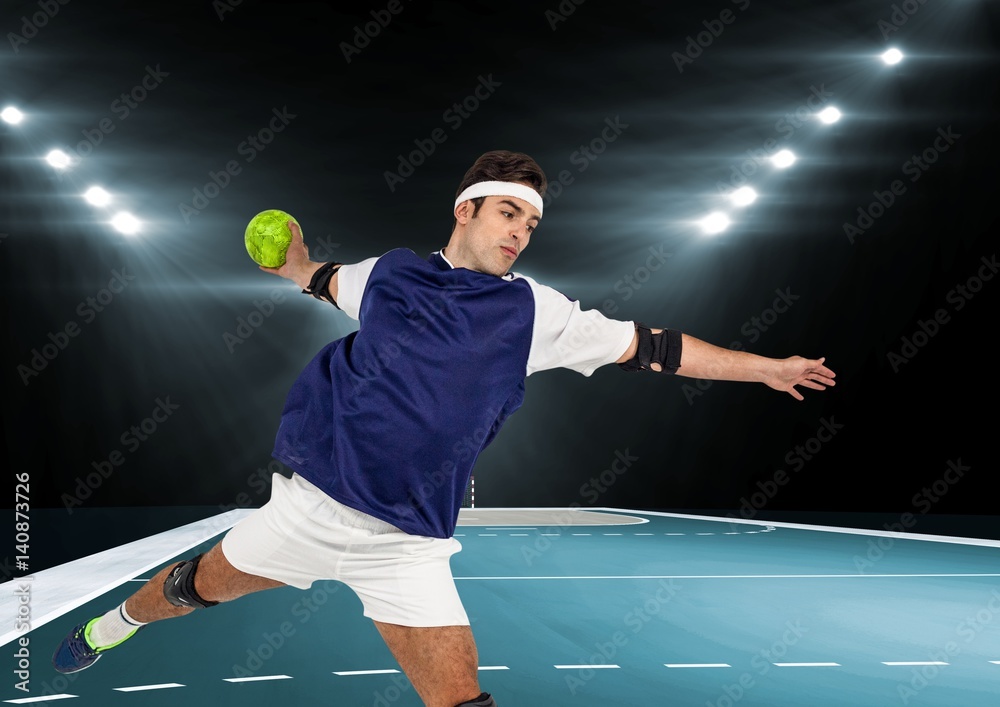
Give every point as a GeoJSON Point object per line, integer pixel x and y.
{"type": "Point", "coordinates": [114, 627]}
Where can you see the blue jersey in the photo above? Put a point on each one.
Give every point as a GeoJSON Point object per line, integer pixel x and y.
{"type": "Point", "coordinates": [390, 419]}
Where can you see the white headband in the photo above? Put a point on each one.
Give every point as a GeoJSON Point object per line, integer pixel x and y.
{"type": "Point", "coordinates": [501, 189]}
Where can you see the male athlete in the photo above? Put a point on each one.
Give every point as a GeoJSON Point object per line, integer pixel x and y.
{"type": "Point", "coordinates": [370, 428]}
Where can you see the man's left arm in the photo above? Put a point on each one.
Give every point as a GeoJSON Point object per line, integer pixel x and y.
{"type": "Point", "coordinates": [699, 359]}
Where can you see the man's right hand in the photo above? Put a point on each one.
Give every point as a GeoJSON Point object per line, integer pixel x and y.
{"type": "Point", "coordinates": [297, 268]}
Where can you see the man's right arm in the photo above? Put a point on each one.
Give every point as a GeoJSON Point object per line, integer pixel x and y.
{"type": "Point", "coordinates": [298, 268]}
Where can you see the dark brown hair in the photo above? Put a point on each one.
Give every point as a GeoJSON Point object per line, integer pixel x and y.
{"type": "Point", "coordinates": [502, 166]}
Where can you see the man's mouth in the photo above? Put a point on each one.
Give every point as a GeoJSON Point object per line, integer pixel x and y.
{"type": "Point", "coordinates": [510, 251]}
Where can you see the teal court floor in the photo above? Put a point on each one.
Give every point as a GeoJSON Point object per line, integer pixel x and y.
{"type": "Point", "coordinates": [602, 608]}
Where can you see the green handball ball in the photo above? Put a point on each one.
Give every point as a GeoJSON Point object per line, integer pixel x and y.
{"type": "Point", "coordinates": [267, 237]}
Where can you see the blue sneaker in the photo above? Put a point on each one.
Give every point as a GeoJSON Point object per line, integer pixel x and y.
{"type": "Point", "coordinates": [76, 653]}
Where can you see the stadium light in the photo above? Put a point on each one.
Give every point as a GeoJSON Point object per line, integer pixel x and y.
{"type": "Point", "coordinates": [892, 56]}
{"type": "Point", "coordinates": [97, 196]}
{"type": "Point", "coordinates": [11, 115]}
{"type": "Point", "coordinates": [126, 223]}
{"type": "Point", "coordinates": [744, 196]}
{"type": "Point", "coordinates": [715, 222]}
{"type": "Point", "coordinates": [783, 158]}
{"type": "Point", "coordinates": [829, 115]}
{"type": "Point", "coordinates": [58, 159]}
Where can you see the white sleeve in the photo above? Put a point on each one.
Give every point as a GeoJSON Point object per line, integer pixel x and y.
{"type": "Point", "coordinates": [565, 336]}
{"type": "Point", "coordinates": [351, 281]}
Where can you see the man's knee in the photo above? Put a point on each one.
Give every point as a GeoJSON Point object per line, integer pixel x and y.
{"type": "Point", "coordinates": [178, 588]}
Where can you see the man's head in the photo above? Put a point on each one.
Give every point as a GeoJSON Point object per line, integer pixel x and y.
{"type": "Point", "coordinates": [489, 232]}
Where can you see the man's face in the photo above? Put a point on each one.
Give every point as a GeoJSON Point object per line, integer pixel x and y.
{"type": "Point", "coordinates": [493, 240]}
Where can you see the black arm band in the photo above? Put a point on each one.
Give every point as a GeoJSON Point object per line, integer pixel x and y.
{"type": "Point", "coordinates": [663, 348]}
{"type": "Point", "coordinates": [320, 281]}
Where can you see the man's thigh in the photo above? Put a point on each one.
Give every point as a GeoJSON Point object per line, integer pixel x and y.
{"type": "Point", "coordinates": [217, 580]}
{"type": "Point", "coordinates": [440, 661]}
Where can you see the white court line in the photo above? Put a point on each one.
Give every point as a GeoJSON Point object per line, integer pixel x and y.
{"type": "Point", "coordinates": [805, 526]}
{"type": "Point", "coordinates": [642, 533]}
{"type": "Point", "coordinates": [365, 672]}
{"type": "Point", "coordinates": [995, 662]}
{"type": "Point", "coordinates": [511, 527]}
{"type": "Point", "coordinates": [261, 677]}
{"type": "Point", "coordinates": [138, 688]}
{"type": "Point", "coordinates": [744, 576]}
{"type": "Point", "coordinates": [493, 667]}
{"type": "Point", "coordinates": [519, 535]}
{"type": "Point", "coordinates": [807, 665]}
{"type": "Point", "coordinates": [585, 667]}
{"type": "Point", "coordinates": [28, 700]}
{"type": "Point", "coordinates": [698, 665]}
{"type": "Point", "coordinates": [58, 590]}
{"type": "Point", "coordinates": [580, 535]}
{"type": "Point", "coordinates": [915, 662]}
{"type": "Point", "coordinates": [612, 533]}
{"type": "Point", "coordinates": [487, 535]}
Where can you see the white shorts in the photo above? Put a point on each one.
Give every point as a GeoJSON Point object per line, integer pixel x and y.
{"type": "Point", "coordinates": [302, 535]}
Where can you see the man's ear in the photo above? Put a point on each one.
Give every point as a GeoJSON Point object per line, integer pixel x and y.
{"type": "Point", "coordinates": [463, 212]}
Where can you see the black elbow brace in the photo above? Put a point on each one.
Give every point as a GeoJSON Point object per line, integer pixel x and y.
{"type": "Point", "coordinates": [663, 348]}
{"type": "Point", "coordinates": [319, 282]}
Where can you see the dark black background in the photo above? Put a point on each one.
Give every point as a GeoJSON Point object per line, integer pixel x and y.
{"type": "Point", "coordinates": [560, 78]}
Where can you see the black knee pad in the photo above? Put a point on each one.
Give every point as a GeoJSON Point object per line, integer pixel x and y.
{"type": "Point", "coordinates": [484, 700]}
{"type": "Point", "coordinates": [179, 586]}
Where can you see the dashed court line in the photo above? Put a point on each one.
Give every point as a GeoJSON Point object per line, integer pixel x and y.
{"type": "Point", "coordinates": [391, 671]}
{"type": "Point", "coordinates": [259, 678]}
{"type": "Point", "coordinates": [768, 529]}
{"type": "Point", "coordinates": [140, 688]}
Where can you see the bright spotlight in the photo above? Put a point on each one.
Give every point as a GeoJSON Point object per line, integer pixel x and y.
{"type": "Point", "coordinates": [126, 223]}
{"type": "Point", "coordinates": [744, 196]}
{"type": "Point", "coordinates": [829, 115]}
{"type": "Point", "coordinates": [783, 158]}
{"type": "Point", "coordinates": [892, 56]}
{"type": "Point", "coordinates": [715, 222]}
{"type": "Point", "coordinates": [11, 115]}
{"type": "Point", "coordinates": [97, 196]}
{"type": "Point", "coordinates": [58, 159]}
